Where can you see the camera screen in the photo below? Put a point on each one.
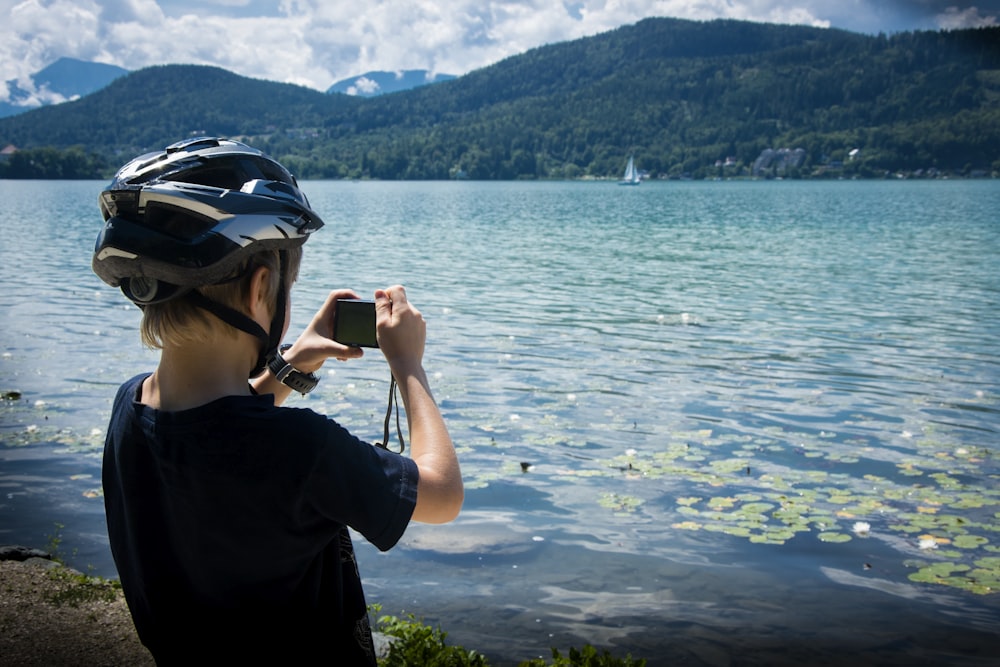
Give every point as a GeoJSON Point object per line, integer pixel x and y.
{"type": "Point", "coordinates": [354, 323]}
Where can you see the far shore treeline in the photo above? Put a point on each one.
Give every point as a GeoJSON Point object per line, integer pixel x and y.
{"type": "Point", "coordinates": [717, 99]}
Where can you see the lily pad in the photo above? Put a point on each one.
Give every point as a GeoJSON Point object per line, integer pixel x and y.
{"type": "Point", "coordinates": [969, 541]}
{"type": "Point", "coordinates": [834, 537]}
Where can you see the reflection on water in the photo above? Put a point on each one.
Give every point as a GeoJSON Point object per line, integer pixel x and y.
{"type": "Point", "coordinates": [675, 405]}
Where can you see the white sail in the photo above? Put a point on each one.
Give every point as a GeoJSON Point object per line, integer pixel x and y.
{"type": "Point", "coordinates": [631, 176]}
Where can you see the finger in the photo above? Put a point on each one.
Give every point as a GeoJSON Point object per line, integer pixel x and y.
{"type": "Point", "coordinates": [330, 303]}
{"type": "Point", "coordinates": [345, 352]}
{"type": "Point", "coordinates": [383, 304]}
{"type": "Point", "coordinates": [396, 293]}
{"type": "Point", "coordinates": [337, 295]}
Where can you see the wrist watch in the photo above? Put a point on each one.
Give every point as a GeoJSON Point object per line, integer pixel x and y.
{"type": "Point", "coordinates": [290, 376]}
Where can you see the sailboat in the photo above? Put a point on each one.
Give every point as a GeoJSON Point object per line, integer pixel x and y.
{"type": "Point", "coordinates": [631, 176]}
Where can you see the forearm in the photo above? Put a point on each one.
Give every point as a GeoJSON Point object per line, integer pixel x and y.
{"type": "Point", "coordinates": [266, 383]}
{"type": "Point", "coordinates": [440, 490]}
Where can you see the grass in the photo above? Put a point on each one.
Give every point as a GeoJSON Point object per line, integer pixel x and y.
{"type": "Point", "coordinates": [414, 643]}
{"type": "Point", "coordinates": [74, 588]}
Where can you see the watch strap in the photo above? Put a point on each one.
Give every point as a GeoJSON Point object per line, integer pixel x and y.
{"type": "Point", "coordinates": [290, 376]}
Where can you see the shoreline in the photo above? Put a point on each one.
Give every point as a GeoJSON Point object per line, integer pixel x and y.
{"type": "Point", "coordinates": [51, 614]}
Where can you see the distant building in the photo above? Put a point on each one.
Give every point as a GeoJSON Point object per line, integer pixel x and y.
{"type": "Point", "coordinates": [8, 150]}
{"type": "Point", "coordinates": [729, 163]}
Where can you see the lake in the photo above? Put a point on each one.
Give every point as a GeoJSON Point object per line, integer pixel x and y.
{"type": "Point", "coordinates": [704, 423]}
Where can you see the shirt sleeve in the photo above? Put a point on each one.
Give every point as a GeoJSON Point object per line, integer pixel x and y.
{"type": "Point", "coordinates": [368, 488]}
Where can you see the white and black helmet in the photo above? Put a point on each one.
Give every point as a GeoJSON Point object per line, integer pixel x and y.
{"type": "Point", "coordinates": [190, 215]}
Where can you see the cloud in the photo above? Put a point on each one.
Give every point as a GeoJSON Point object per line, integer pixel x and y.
{"type": "Point", "coordinates": [29, 96]}
{"type": "Point", "coordinates": [953, 18]}
{"type": "Point", "coordinates": [317, 42]}
{"type": "Point", "coordinates": [462, 35]}
{"type": "Point", "coordinates": [363, 86]}
{"type": "Point", "coordinates": [938, 14]}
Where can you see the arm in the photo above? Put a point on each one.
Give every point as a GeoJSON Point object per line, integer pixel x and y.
{"type": "Point", "coordinates": [402, 335]}
{"type": "Point", "coordinates": [311, 350]}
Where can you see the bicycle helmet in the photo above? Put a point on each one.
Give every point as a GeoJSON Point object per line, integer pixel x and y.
{"type": "Point", "coordinates": [189, 216]}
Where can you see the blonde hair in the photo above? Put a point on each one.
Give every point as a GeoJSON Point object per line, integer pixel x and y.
{"type": "Point", "coordinates": [181, 322]}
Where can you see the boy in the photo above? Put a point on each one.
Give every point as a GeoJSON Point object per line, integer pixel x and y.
{"type": "Point", "coordinates": [227, 514]}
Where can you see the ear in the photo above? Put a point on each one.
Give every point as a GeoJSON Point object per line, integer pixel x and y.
{"type": "Point", "coordinates": [258, 304]}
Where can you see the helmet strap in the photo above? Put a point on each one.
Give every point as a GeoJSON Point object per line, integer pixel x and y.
{"type": "Point", "coordinates": [278, 321]}
{"type": "Point", "coordinates": [234, 318]}
{"type": "Point", "coordinates": [269, 341]}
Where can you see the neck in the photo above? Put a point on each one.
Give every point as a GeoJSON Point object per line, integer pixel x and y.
{"type": "Point", "coordinates": [192, 375]}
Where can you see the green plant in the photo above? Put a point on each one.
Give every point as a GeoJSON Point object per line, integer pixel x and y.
{"type": "Point", "coordinates": [415, 643]}
{"type": "Point", "coordinates": [585, 657]}
{"type": "Point", "coordinates": [77, 588]}
{"type": "Point", "coordinates": [55, 542]}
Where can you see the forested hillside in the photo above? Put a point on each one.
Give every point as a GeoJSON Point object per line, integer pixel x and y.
{"type": "Point", "coordinates": [702, 99]}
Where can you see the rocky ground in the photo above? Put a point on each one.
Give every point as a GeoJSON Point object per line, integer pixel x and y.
{"type": "Point", "coordinates": [54, 616]}
{"type": "Point", "coordinates": [51, 615]}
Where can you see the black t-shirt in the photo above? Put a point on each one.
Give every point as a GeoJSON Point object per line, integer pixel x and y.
{"type": "Point", "coordinates": [228, 526]}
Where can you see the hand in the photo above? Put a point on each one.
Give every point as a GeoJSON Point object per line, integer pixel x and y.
{"type": "Point", "coordinates": [315, 345]}
{"type": "Point", "coordinates": [401, 329]}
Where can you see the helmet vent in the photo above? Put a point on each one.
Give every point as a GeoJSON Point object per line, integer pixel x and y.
{"type": "Point", "coordinates": [230, 172]}
{"type": "Point", "coordinates": [179, 223]}
{"type": "Point", "coordinates": [193, 144]}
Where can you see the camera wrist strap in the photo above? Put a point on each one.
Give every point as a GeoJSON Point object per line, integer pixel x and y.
{"type": "Point", "coordinates": [393, 404]}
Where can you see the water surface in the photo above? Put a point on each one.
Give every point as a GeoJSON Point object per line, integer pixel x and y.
{"type": "Point", "coordinates": [705, 423]}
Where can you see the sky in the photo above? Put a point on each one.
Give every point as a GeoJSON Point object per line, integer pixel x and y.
{"type": "Point", "coordinates": [316, 43]}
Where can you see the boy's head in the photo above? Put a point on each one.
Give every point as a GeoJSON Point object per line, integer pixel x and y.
{"type": "Point", "coordinates": [185, 230]}
{"type": "Point", "coordinates": [181, 321]}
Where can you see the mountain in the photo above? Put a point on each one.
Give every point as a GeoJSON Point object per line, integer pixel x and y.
{"type": "Point", "coordinates": [65, 79]}
{"type": "Point", "coordinates": [699, 99]}
{"type": "Point", "coordinates": [143, 110]}
{"type": "Point", "coordinates": [372, 84]}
